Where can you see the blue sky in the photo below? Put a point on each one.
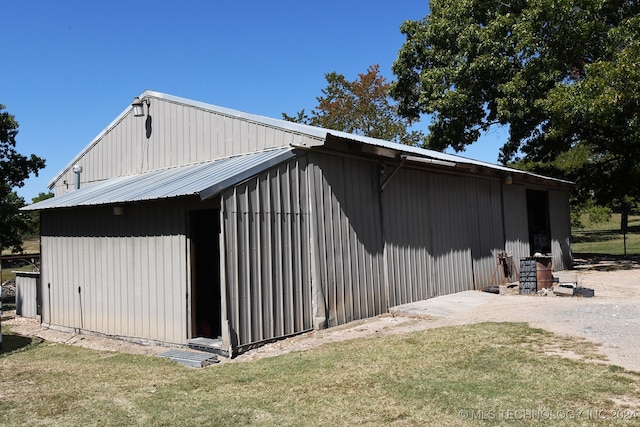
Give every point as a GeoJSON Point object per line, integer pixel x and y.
{"type": "Point", "coordinates": [70, 67]}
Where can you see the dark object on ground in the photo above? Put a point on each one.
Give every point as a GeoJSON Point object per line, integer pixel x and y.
{"type": "Point", "coordinates": [194, 359]}
{"type": "Point", "coordinates": [583, 292]}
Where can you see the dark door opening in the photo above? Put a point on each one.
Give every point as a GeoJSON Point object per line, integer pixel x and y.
{"type": "Point", "coordinates": [205, 273]}
{"type": "Point", "coordinates": [538, 217]}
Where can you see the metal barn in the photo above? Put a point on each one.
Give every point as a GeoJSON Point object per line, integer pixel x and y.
{"type": "Point", "coordinates": [188, 220]}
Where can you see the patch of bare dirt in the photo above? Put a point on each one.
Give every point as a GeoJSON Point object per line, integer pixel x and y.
{"type": "Point", "coordinates": [610, 319]}
{"type": "Point", "coordinates": [32, 328]}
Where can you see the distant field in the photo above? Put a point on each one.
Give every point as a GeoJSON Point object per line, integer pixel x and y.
{"type": "Point", "coordinates": [606, 238]}
{"type": "Point", "coordinates": [31, 246]}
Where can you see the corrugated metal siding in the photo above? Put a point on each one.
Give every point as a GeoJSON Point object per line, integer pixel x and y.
{"type": "Point", "coordinates": [487, 216]}
{"type": "Point", "coordinates": [515, 222]}
{"type": "Point", "coordinates": [27, 294]}
{"type": "Point", "coordinates": [348, 238]}
{"type": "Point", "coordinates": [180, 134]}
{"type": "Point", "coordinates": [442, 232]}
{"type": "Point", "coordinates": [266, 240]}
{"type": "Point", "coordinates": [408, 230]}
{"type": "Point", "coordinates": [451, 198]}
{"type": "Point", "coordinates": [117, 275]}
{"type": "Point", "coordinates": [560, 223]}
{"type": "Point", "coordinates": [122, 150]}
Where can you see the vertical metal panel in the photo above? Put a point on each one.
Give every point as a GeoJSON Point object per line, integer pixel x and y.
{"type": "Point", "coordinates": [179, 134]}
{"type": "Point", "coordinates": [490, 233]}
{"type": "Point", "coordinates": [27, 294]}
{"type": "Point", "coordinates": [559, 218]}
{"type": "Point", "coordinates": [117, 275]}
{"type": "Point", "coordinates": [203, 148]}
{"type": "Point", "coordinates": [514, 204]}
{"type": "Point", "coordinates": [266, 240]}
{"type": "Point", "coordinates": [452, 231]}
{"type": "Point", "coordinates": [443, 233]}
{"type": "Point", "coordinates": [348, 238]}
{"type": "Point", "coordinates": [408, 233]}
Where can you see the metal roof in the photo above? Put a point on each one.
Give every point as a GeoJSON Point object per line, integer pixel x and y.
{"type": "Point", "coordinates": [322, 133]}
{"type": "Point", "coordinates": [316, 132]}
{"type": "Point", "coordinates": [202, 179]}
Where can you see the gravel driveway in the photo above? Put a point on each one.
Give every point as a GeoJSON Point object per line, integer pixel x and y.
{"type": "Point", "coordinates": [611, 318]}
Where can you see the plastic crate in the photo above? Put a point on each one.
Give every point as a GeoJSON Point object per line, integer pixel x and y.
{"type": "Point", "coordinates": [528, 276]}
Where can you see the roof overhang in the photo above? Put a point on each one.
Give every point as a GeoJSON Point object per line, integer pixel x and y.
{"type": "Point", "coordinates": [203, 179]}
{"type": "Point", "coordinates": [358, 145]}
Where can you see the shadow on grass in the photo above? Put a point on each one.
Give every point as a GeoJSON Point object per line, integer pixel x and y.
{"type": "Point", "coordinates": [594, 236]}
{"type": "Point", "coordinates": [605, 262]}
{"type": "Point", "coordinates": [12, 343]}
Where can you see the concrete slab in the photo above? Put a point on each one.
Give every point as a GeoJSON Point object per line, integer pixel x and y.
{"type": "Point", "coordinates": [446, 305]}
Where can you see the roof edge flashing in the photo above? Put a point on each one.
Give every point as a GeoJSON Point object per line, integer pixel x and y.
{"type": "Point", "coordinates": [203, 180]}
{"type": "Point", "coordinates": [210, 192]}
{"type": "Point", "coordinates": [428, 161]}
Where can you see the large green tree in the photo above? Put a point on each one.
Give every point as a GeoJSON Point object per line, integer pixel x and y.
{"type": "Point", "coordinates": [15, 168]}
{"type": "Point", "coordinates": [363, 107]}
{"type": "Point", "coordinates": [562, 75]}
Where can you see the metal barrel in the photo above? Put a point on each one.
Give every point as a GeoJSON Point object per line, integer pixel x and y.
{"type": "Point", "coordinates": [544, 272]}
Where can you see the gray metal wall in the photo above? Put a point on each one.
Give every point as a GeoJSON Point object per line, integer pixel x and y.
{"type": "Point", "coordinates": [435, 230]}
{"type": "Point", "coordinates": [27, 294]}
{"type": "Point", "coordinates": [266, 266]}
{"type": "Point", "coordinates": [453, 233]}
{"type": "Point", "coordinates": [442, 233]}
{"type": "Point", "coordinates": [347, 237]}
{"type": "Point", "coordinates": [490, 237]}
{"type": "Point", "coordinates": [427, 234]}
{"type": "Point", "coordinates": [117, 275]}
{"type": "Point", "coordinates": [560, 222]}
{"type": "Point", "coordinates": [311, 242]}
{"type": "Point", "coordinates": [352, 252]}
{"type": "Point", "coordinates": [515, 222]}
{"type": "Point", "coordinates": [179, 134]}
{"type": "Point", "coordinates": [408, 231]}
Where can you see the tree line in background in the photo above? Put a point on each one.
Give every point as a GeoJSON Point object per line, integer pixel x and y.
{"type": "Point", "coordinates": [562, 76]}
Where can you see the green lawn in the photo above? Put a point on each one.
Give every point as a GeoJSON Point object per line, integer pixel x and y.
{"type": "Point", "coordinates": [467, 375]}
{"type": "Point", "coordinates": [29, 246]}
{"type": "Point", "coordinates": [607, 238]}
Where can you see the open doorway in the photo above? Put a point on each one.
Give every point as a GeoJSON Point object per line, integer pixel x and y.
{"type": "Point", "coordinates": [204, 228]}
{"type": "Point", "coordinates": [538, 217]}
